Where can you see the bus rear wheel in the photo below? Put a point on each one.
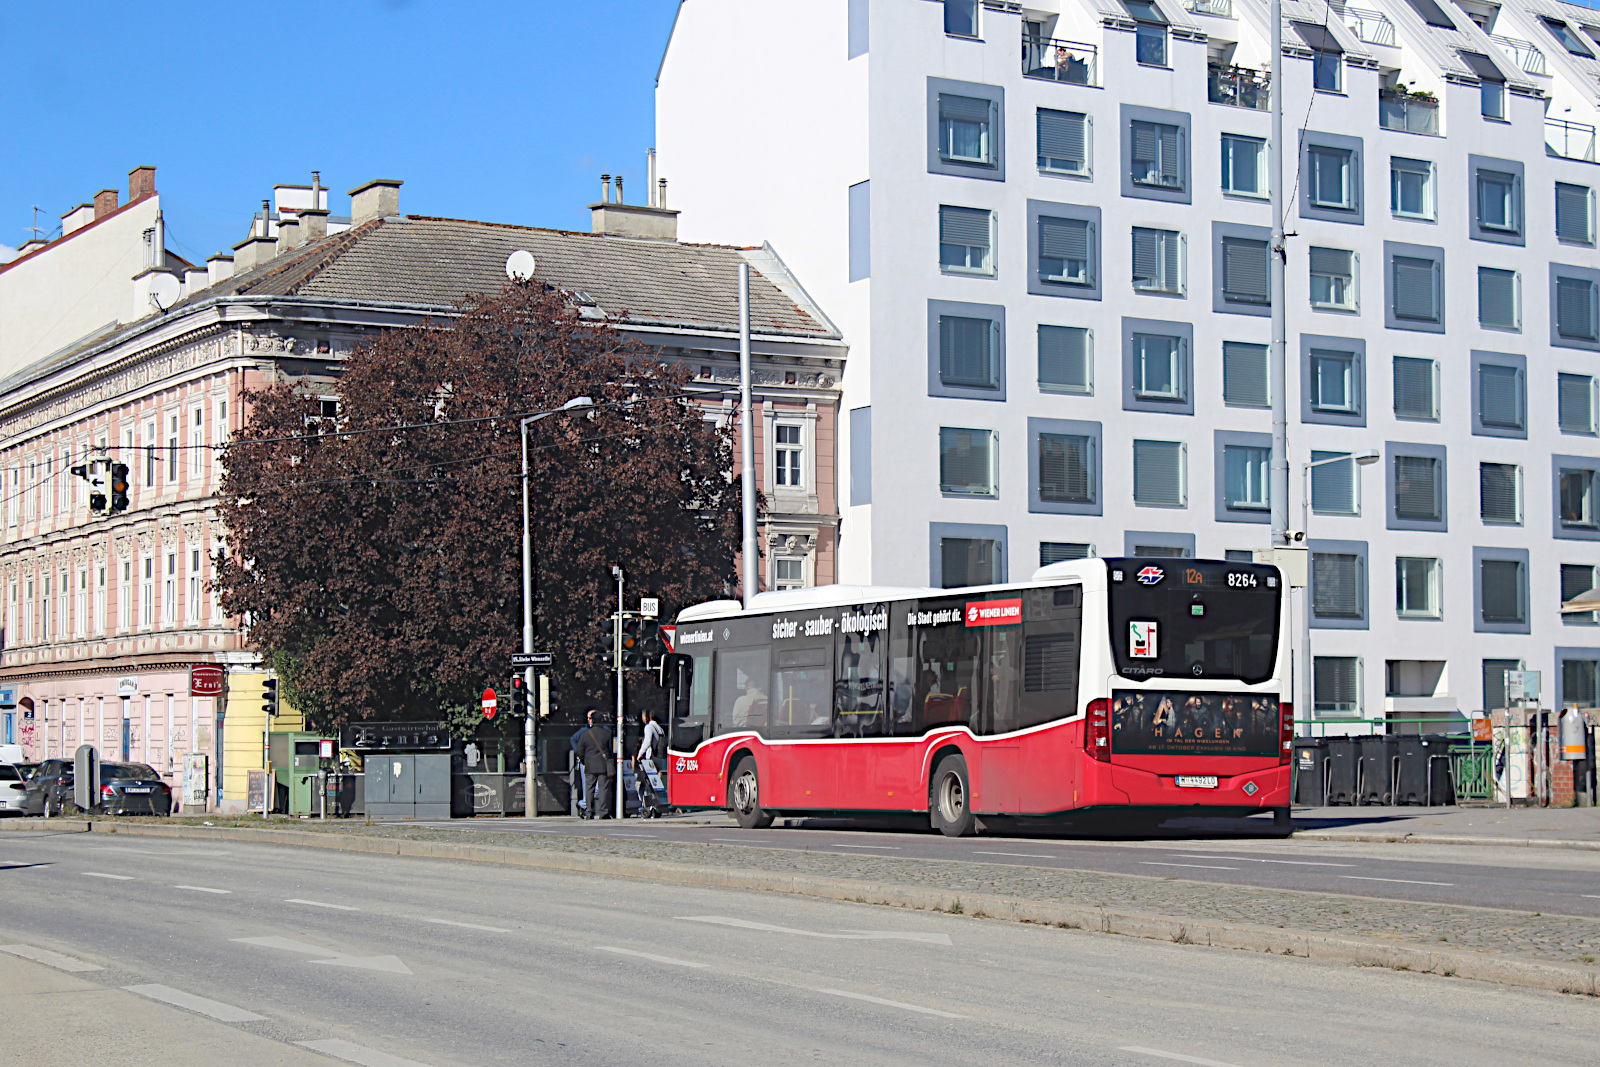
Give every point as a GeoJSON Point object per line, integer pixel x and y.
{"type": "Point", "coordinates": [744, 796]}
{"type": "Point", "coordinates": [950, 798]}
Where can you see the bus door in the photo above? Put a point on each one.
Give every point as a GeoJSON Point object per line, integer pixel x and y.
{"type": "Point", "coordinates": [801, 708]}
{"type": "Point", "coordinates": [1052, 644]}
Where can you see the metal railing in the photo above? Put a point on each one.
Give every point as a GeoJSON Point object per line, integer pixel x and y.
{"type": "Point", "coordinates": [1074, 62]}
{"type": "Point", "coordinates": [1472, 771]}
{"type": "Point", "coordinates": [1371, 26]}
{"type": "Point", "coordinates": [1569, 140]}
{"type": "Point", "coordinates": [1527, 55]}
{"type": "Point", "coordinates": [1239, 87]}
{"type": "Point", "coordinates": [1412, 114]}
{"type": "Point", "coordinates": [1220, 8]}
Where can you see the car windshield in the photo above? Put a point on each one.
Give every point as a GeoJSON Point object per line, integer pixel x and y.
{"type": "Point", "coordinates": [8, 773]}
{"type": "Point", "coordinates": [137, 772]}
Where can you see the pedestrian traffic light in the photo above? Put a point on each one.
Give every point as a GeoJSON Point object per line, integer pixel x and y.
{"type": "Point", "coordinates": [633, 653]}
{"type": "Point", "coordinates": [519, 695]}
{"type": "Point", "coordinates": [119, 487]}
{"type": "Point", "coordinates": [269, 697]}
{"type": "Point", "coordinates": [608, 638]}
{"type": "Point", "coordinates": [650, 640]}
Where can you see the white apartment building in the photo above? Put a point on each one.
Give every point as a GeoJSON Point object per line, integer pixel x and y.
{"type": "Point", "coordinates": [1042, 229]}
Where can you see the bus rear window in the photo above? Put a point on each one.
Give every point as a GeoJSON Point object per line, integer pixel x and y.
{"type": "Point", "coordinates": [1177, 618]}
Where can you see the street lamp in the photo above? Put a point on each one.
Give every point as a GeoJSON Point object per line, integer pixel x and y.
{"type": "Point", "coordinates": [531, 796]}
{"type": "Point", "coordinates": [1307, 685]}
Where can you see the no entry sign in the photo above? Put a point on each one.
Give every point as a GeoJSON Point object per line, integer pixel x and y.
{"type": "Point", "coordinates": [489, 703]}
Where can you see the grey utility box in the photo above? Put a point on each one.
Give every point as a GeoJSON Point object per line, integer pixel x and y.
{"type": "Point", "coordinates": [406, 785]}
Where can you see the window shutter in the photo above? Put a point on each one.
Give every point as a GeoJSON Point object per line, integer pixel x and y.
{"type": "Point", "coordinates": [1245, 381]}
{"type": "Point", "coordinates": [1146, 256]}
{"type": "Point", "coordinates": [1064, 238]}
{"type": "Point", "coordinates": [1162, 551]}
{"type": "Point", "coordinates": [964, 226]}
{"type": "Point", "coordinates": [1171, 263]}
{"type": "Point", "coordinates": [1497, 492]}
{"type": "Point", "coordinates": [963, 108]}
{"type": "Point", "coordinates": [1158, 472]}
{"type": "Point", "coordinates": [1414, 296]}
{"type": "Point", "coordinates": [1064, 469]}
{"type": "Point", "coordinates": [966, 355]}
{"type": "Point", "coordinates": [1056, 551]}
{"type": "Point", "coordinates": [1063, 137]}
{"type": "Point", "coordinates": [1336, 585]}
{"type": "Point", "coordinates": [1334, 678]}
{"type": "Point", "coordinates": [1497, 297]}
{"type": "Point", "coordinates": [1413, 388]}
{"type": "Point", "coordinates": [1146, 143]}
{"type": "Point", "coordinates": [1575, 308]}
{"type": "Point", "coordinates": [1170, 171]}
{"type": "Point", "coordinates": [1416, 492]}
{"type": "Point", "coordinates": [1064, 357]}
{"type": "Point", "coordinates": [964, 460]}
{"type": "Point", "coordinates": [1575, 401]}
{"type": "Point", "coordinates": [1244, 270]}
{"type": "Point", "coordinates": [1572, 213]}
{"type": "Point", "coordinates": [1576, 579]}
{"type": "Point", "coordinates": [1502, 590]}
{"type": "Point", "coordinates": [1499, 396]}
{"type": "Point", "coordinates": [1333, 485]}
{"type": "Point", "coordinates": [1332, 261]}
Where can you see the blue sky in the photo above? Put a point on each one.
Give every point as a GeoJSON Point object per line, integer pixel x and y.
{"type": "Point", "coordinates": [487, 110]}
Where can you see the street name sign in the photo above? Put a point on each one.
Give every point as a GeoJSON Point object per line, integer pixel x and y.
{"type": "Point", "coordinates": [533, 659]}
{"type": "Point", "coordinates": [395, 736]}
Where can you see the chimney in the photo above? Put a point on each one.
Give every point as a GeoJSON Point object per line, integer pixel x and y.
{"type": "Point", "coordinates": [313, 224]}
{"type": "Point", "coordinates": [260, 246]}
{"type": "Point", "coordinates": [141, 182]}
{"type": "Point", "coordinates": [288, 233]}
{"type": "Point", "coordinates": [377, 199]}
{"type": "Point", "coordinates": [634, 220]}
{"type": "Point", "coordinates": [219, 267]}
{"type": "Point", "coordinates": [77, 218]}
{"type": "Point", "coordinates": [105, 202]}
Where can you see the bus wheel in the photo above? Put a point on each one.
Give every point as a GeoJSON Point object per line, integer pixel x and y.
{"type": "Point", "coordinates": [744, 797]}
{"type": "Point", "coordinates": [951, 797]}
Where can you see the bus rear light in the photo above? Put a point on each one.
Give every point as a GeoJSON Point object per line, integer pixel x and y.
{"type": "Point", "coordinates": [1286, 733]}
{"type": "Point", "coordinates": [1097, 730]}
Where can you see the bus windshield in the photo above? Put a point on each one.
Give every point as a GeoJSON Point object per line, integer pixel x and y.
{"type": "Point", "coordinates": [1193, 619]}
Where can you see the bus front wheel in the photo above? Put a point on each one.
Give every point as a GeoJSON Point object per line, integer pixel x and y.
{"type": "Point", "coordinates": [744, 796]}
{"type": "Point", "coordinates": [951, 798]}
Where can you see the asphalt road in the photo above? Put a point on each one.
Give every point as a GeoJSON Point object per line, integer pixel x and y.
{"type": "Point", "coordinates": [390, 961]}
{"type": "Point", "coordinates": [1562, 882]}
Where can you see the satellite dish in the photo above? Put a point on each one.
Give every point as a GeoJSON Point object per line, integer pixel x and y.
{"type": "Point", "coordinates": [163, 291]}
{"type": "Point", "coordinates": [520, 265]}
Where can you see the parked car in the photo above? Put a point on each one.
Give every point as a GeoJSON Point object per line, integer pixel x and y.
{"type": "Point", "coordinates": [12, 789]}
{"type": "Point", "coordinates": [132, 789]}
{"type": "Point", "coordinates": [43, 795]}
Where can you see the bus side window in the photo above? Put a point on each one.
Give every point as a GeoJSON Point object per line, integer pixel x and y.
{"type": "Point", "coordinates": [1051, 647]}
{"type": "Point", "coordinates": [999, 712]}
{"type": "Point", "coordinates": [689, 725]}
{"type": "Point", "coordinates": [858, 688]}
{"type": "Point", "coordinates": [802, 689]}
{"type": "Point", "coordinates": [949, 680]}
{"type": "Point", "coordinates": [741, 697]}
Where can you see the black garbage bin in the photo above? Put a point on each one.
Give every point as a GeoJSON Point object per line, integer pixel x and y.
{"type": "Point", "coordinates": [1378, 756]}
{"type": "Point", "coordinates": [1310, 771]}
{"type": "Point", "coordinates": [1441, 787]}
{"type": "Point", "coordinates": [1344, 757]}
{"type": "Point", "coordinates": [1411, 784]}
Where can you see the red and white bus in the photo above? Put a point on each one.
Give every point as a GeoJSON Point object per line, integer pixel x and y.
{"type": "Point", "coordinates": [1137, 684]}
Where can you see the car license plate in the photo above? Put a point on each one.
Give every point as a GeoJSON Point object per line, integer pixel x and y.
{"type": "Point", "coordinates": [147, 789]}
{"type": "Point", "coordinates": [1197, 781]}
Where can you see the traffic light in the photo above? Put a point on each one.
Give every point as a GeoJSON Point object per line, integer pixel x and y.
{"type": "Point", "coordinates": [97, 486]}
{"type": "Point", "coordinates": [608, 639]}
{"type": "Point", "coordinates": [650, 639]}
{"type": "Point", "coordinates": [269, 697]}
{"type": "Point", "coordinates": [119, 487]}
{"type": "Point", "coordinates": [633, 653]}
{"type": "Point", "coordinates": [519, 695]}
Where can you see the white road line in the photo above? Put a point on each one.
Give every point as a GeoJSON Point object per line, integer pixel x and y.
{"type": "Point", "coordinates": [1591, 896]}
{"type": "Point", "coordinates": [53, 959]}
{"type": "Point", "coordinates": [469, 926]}
{"type": "Point", "coordinates": [203, 889]}
{"type": "Point", "coordinates": [637, 837]}
{"type": "Point", "coordinates": [1402, 881]}
{"type": "Point", "coordinates": [287, 945]}
{"type": "Point", "coordinates": [735, 840]}
{"type": "Point", "coordinates": [1196, 866]}
{"type": "Point", "coordinates": [1252, 859]}
{"type": "Point", "coordinates": [225, 1013]}
{"type": "Point", "coordinates": [892, 1003]}
{"type": "Point", "coordinates": [1025, 855]}
{"type": "Point", "coordinates": [118, 877]}
{"type": "Point", "coordinates": [351, 1052]}
{"type": "Point", "coordinates": [1180, 1057]}
{"type": "Point", "coordinates": [320, 904]}
{"type": "Point", "coordinates": [843, 935]}
{"type": "Point", "coordinates": [890, 848]}
{"type": "Point", "coordinates": [650, 956]}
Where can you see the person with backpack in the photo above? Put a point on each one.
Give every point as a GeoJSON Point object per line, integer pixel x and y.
{"type": "Point", "coordinates": [652, 749]}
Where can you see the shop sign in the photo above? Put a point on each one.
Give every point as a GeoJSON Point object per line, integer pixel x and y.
{"type": "Point", "coordinates": [205, 680]}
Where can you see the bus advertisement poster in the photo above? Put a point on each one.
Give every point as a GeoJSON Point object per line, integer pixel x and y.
{"type": "Point", "coordinates": [1170, 723]}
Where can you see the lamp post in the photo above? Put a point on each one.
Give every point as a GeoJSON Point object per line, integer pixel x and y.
{"type": "Point", "coordinates": [530, 806]}
{"type": "Point", "coordinates": [1307, 683]}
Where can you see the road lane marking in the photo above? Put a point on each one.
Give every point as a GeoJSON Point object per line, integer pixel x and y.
{"type": "Point", "coordinates": [1591, 896]}
{"type": "Point", "coordinates": [351, 1052]}
{"type": "Point", "coordinates": [203, 889]}
{"type": "Point", "coordinates": [1180, 1057]}
{"type": "Point", "coordinates": [335, 958]}
{"type": "Point", "coordinates": [650, 956]}
{"type": "Point", "coordinates": [118, 877]}
{"type": "Point", "coordinates": [287, 945]}
{"type": "Point", "coordinates": [1196, 866]}
{"type": "Point", "coordinates": [843, 935]}
{"type": "Point", "coordinates": [469, 926]}
{"type": "Point", "coordinates": [224, 1013]}
{"type": "Point", "coordinates": [53, 959]}
{"type": "Point", "coordinates": [889, 848]}
{"type": "Point", "coordinates": [892, 1003]}
{"type": "Point", "coordinates": [1402, 881]}
{"type": "Point", "coordinates": [1025, 855]}
{"type": "Point", "coordinates": [389, 964]}
{"type": "Point", "coordinates": [320, 904]}
{"type": "Point", "coordinates": [637, 837]}
{"type": "Point", "coordinates": [164, 851]}
{"type": "Point", "coordinates": [1252, 859]}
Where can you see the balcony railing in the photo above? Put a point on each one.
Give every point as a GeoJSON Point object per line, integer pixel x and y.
{"type": "Point", "coordinates": [1063, 61]}
{"type": "Point", "coordinates": [1526, 53]}
{"type": "Point", "coordinates": [1371, 26]}
{"type": "Point", "coordinates": [1239, 87]}
{"type": "Point", "coordinates": [1220, 8]}
{"type": "Point", "coordinates": [1412, 114]}
{"type": "Point", "coordinates": [1569, 140]}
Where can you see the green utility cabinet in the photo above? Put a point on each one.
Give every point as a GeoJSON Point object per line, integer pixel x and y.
{"type": "Point", "coordinates": [295, 766]}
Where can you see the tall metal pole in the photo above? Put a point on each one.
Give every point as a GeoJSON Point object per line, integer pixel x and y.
{"type": "Point", "coordinates": [617, 754]}
{"type": "Point", "coordinates": [747, 442]}
{"type": "Point", "coordinates": [1279, 370]}
{"type": "Point", "coordinates": [1307, 683]}
{"type": "Point", "coordinates": [530, 803]}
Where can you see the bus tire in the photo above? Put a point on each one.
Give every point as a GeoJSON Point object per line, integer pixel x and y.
{"type": "Point", "coordinates": [744, 796]}
{"type": "Point", "coordinates": [950, 799]}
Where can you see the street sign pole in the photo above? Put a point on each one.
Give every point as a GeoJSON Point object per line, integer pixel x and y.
{"type": "Point", "coordinates": [616, 572]}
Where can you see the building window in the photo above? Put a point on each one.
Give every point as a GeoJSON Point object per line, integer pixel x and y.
{"type": "Point", "coordinates": [1157, 261]}
{"type": "Point", "coordinates": [80, 607]}
{"type": "Point", "coordinates": [1494, 681]}
{"type": "Point", "coordinates": [1330, 184]}
{"type": "Point", "coordinates": [787, 455]}
{"type": "Point", "coordinates": [1066, 468]}
{"type": "Point", "coordinates": [1411, 188]}
{"type": "Point", "coordinates": [1499, 206]}
{"type": "Point", "coordinates": [961, 18]}
{"type": "Point", "coordinates": [1333, 278]}
{"type": "Point", "coordinates": [1157, 156]}
{"type": "Point", "coordinates": [1580, 682]}
{"type": "Point", "coordinates": [1064, 141]}
{"type": "Point", "coordinates": [1244, 271]}
{"type": "Point", "coordinates": [1418, 495]}
{"type": "Point", "coordinates": [1244, 165]}
{"type": "Point", "coordinates": [967, 352]}
{"type": "Point", "coordinates": [1246, 382]}
{"type": "Point", "coordinates": [1336, 585]}
{"type": "Point", "coordinates": [1574, 213]}
{"type": "Point", "coordinates": [147, 593]}
{"type": "Point", "coordinates": [1066, 253]}
{"type": "Point", "coordinates": [1415, 296]}
{"type": "Point", "coordinates": [44, 612]}
{"type": "Point", "coordinates": [151, 453]}
{"type": "Point", "coordinates": [1500, 493]}
{"type": "Point", "coordinates": [1160, 367]}
{"type": "Point", "coordinates": [125, 597]}
{"type": "Point", "coordinates": [1568, 37]}
{"type": "Point", "coordinates": [197, 441]}
{"type": "Point", "coordinates": [1576, 490]}
{"type": "Point", "coordinates": [195, 585]}
{"type": "Point", "coordinates": [1500, 397]}
{"type": "Point", "coordinates": [1416, 388]}
{"type": "Point", "coordinates": [1159, 474]}
{"type": "Point", "coordinates": [967, 561]}
{"type": "Point", "coordinates": [966, 461]}
{"type": "Point", "coordinates": [1499, 298]}
{"type": "Point", "coordinates": [1060, 551]}
{"type": "Point", "coordinates": [1577, 579]}
{"type": "Point", "coordinates": [1066, 363]}
{"type": "Point", "coordinates": [965, 129]}
{"type": "Point", "coordinates": [172, 449]}
{"type": "Point", "coordinates": [1575, 309]}
{"type": "Point", "coordinates": [965, 240]}
{"type": "Point", "coordinates": [1504, 592]}
{"type": "Point", "coordinates": [1416, 587]}
{"type": "Point", "coordinates": [1326, 71]}
{"type": "Point", "coordinates": [1334, 486]}
{"type": "Point", "coordinates": [1333, 384]}
{"type": "Point", "coordinates": [169, 591]}
{"type": "Point", "coordinates": [1245, 476]}
{"type": "Point", "coordinates": [788, 573]}
{"type": "Point", "coordinates": [1575, 403]}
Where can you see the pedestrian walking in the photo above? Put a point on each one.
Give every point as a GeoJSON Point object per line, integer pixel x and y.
{"type": "Point", "coordinates": [594, 749]}
{"type": "Point", "coordinates": [582, 783]}
{"type": "Point", "coordinates": [652, 749]}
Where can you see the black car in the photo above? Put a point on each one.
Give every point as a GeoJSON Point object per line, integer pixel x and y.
{"type": "Point", "coordinates": [43, 794]}
{"type": "Point", "coordinates": [125, 789]}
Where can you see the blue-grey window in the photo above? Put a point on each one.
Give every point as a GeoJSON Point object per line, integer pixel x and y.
{"type": "Point", "coordinates": [860, 231]}
{"type": "Point", "coordinates": [1330, 183]}
{"type": "Point", "coordinates": [1158, 261]}
{"type": "Point", "coordinates": [1156, 544]}
{"type": "Point", "coordinates": [1338, 585]}
{"type": "Point", "coordinates": [1499, 394]}
{"type": "Point", "coordinates": [961, 18]}
{"type": "Point", "coordinates": [1432, 14]}
{"type": "Point", "coordinates": [1242, 465]}
{"type": "Point", "coordinates": [1335, 487]}
{"type": "Point", "coordinates": [1065, 139]}
{"type": "Point", "coordinates": [1575, 506]}
{"type": "Point", "coordinates": [1414, 476]}
{"type": "Point", "coordinates": [967, 462]}
{"type": "Point", "coordinates": [1334, 284]}
{"type": "Point", "coordinates": [1246, 381]}
{"type": "Point", "coordinates": [1063, 250]}
{"type": "Point", "coordinates": [1326, 56]}
{"type": "Point", "coordinates": [1575, 404]}
{"type": "Point", "coordinates": [1499, 299]}
{"type": "Point", "coordinates": [1414, 277]}
{"type": "Point", "coordinates": [1417, 587]}
{"type": "Point", "coordinates": [858, 30]}
{"type": "Point", "coordinates": [1574, 214]}
{"type": "Point", "coordinates": [1416, 388]}
{"type": "Point", "coordinates": [1567, 36]}
{"type": "Point", "coordinates": [966, 553]}
{"type": "Point", "coordinates": [1066, 359]}
{"type": "Point", "coordinates": [1334, 380]}
{"type": "Point", "coordinates": [1239, 269]}
{"type": "Point", "coordinates": [1491, 85]}
{"type": "Point", "coordinates": [1155, 154]}
{"type": "Point", "coordinates": [1496, 199]}
{"type": "Point", "coordinates": [1500, 494]}
{"type": "Point", "coordinates": [1160, 474]}
{"type": "Point", "coordinates": [966, 350]}
{"type": "Point", "coordinates": [860, 456]}
{"type": "Point", "coordinates": [1244, 166]}
{"type": "Point", "coordinates": [1060, 551]}
{"type": "Point", "coordinates": [1157, 368]}
{"type": "Point", "coordinates": [1577, 677]}
{"type": "Point", "coordinates": [1577, 579]}
{"type": "Point", "coordinates": [1574, 307]}
{"type": "Point", "coordinates": [1064, 467]}
{"type": "Point", "coordinates": [1500, 590]}
{"type": "Point", "coordinates": [966, 240]}
{"type": "Point", "coordinates": [966, 129]}
{"type": "Point", "coordinates": [1411, 188]}
{"type": "Point", "coordinates": [1150, 33]}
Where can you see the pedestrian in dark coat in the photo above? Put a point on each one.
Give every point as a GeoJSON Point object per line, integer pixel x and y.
{"type": "Point", "coordinates": [599, 765]}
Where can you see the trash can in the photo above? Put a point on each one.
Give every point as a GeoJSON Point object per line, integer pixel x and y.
{"type": "Point", "coordinates": [1378, 758]}
{"type": "Point", "coordinates": [1311, 771]}
{"type": "Point", "coordinates": [1441, 782]}
{"type": "Point", "coordinates": [1411, 783]}
{"type": "Point", "coordinates": [1344, 758]}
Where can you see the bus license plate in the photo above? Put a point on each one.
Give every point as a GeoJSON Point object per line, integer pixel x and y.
{"type": "Point", "coordinates": [1197, 781]}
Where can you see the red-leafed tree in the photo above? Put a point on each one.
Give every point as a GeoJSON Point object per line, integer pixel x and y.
{"type": "Point", "coordinates": [380, 566]}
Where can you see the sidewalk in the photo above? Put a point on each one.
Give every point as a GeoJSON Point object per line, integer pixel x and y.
{"type": "Point", "coordinates": [1531, 827]}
